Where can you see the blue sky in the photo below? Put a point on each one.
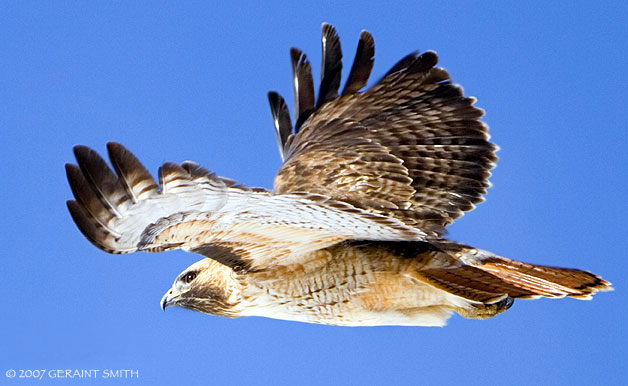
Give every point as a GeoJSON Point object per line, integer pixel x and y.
{"type": "Point", "coordinates": [175, 82]}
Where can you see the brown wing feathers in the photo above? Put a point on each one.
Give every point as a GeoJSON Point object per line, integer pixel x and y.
{"type": "Point", "coordinates": [331, 69]}
{"type": "Point", "coordinates": [103, 198]}
{"type": "Point", "coordinates": [281, 120]}
{"type": "Point", "coordinates": [137, 181]}
{"type": "Point", "coordinates": [113, 210]}
{"type": "Point", "coordinates": [100, 193]}
{"type": "Point", "coordinates": [105, 185]}
{"type": "Point", "coordinates": [415, 114]}
{"type": "Point", "coordinates": [362, 64]}
{"type": "Point", "coordinates": [331, 66]}
{"type": "Point", "coordinates": [303, 87]}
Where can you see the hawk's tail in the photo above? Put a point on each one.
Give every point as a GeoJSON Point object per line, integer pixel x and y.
{"type": "Point", "coordinates": [549, 282]}
{"type": "Point", "coordinates": [532, 280]}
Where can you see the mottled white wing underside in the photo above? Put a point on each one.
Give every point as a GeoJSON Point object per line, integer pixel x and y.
{"type": "Point", "coordinates": [191, 207]}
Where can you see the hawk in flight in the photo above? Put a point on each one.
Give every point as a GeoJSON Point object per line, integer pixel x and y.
{"type": "Point", "coordinates": [353, 232]}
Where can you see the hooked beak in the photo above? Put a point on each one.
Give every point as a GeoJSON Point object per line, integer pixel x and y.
{"type": "Point", "coordinates": [169, 299]}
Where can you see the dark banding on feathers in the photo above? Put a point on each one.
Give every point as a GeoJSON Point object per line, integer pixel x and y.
{"type": "Point", "coordinates": [103, 182]}
{"type": "Point", "coordinates": [133, 176]}
{"type": "Point", "coordinates": [411, 147]}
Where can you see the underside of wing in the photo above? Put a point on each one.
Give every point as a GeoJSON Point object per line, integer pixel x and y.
{"type": "Point", "coordinates": [411, 147]}
{"type": "Point", "coordinates": [195, 210]}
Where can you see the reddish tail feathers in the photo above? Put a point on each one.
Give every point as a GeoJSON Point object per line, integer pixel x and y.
{"type": "Point", "coordinates": [538, 280]}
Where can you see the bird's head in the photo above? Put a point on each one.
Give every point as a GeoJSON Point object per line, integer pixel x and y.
{"type": "Point", "coordinates": [205, 286]}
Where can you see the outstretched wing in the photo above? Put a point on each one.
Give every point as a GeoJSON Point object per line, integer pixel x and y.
{"type": "Point", "coordinates": [411, 147]}
{"type": "Point", "coordinates": [195, 210]}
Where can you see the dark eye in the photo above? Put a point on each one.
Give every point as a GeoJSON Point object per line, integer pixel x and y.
{"type": "Point", "coordinates": [189, 277]}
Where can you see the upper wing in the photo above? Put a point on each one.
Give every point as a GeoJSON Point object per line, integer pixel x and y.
{"type": "Point", "coordinates": [411, 147]}
{"type": "Point", "coordinates": [195, 210]}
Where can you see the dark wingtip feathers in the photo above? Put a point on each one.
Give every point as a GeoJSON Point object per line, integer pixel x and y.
{"type": "Point", "coordinates": [98, 175]}
{"type": "Point", "coordinates": [303, 86]}
{"type": "Point", "coordinates": [424, 62]}
{"type": "Point", "coordinates": [100, 194]}
{"type": "Point", "coordinates": [281, 120]}
{"type": "Point", "coordinates": [133, 176]}
{"type": "Point", "coordinates": [82, 222]}
{"type": "Point", "coordinates": [402, 64]}
{"type": "Point", "coordinates": [331, 65]}
{"type": "Point", "coordinates": [75, 179]}
{"type": "Point", "coordinates": [362, 64]}
{"type": "Point", "coordinates": [417, 62]}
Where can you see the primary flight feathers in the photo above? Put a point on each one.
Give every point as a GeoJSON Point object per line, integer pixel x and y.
{"type": "Point", "coordinates": [352, 232]}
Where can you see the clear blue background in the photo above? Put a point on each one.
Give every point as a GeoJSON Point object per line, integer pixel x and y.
{"type": "Point", "coordinates": [188, 81]}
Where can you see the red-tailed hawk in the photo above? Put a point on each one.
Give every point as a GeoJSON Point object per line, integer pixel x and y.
{"type": "Point", "coordinates": [352, 233]}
